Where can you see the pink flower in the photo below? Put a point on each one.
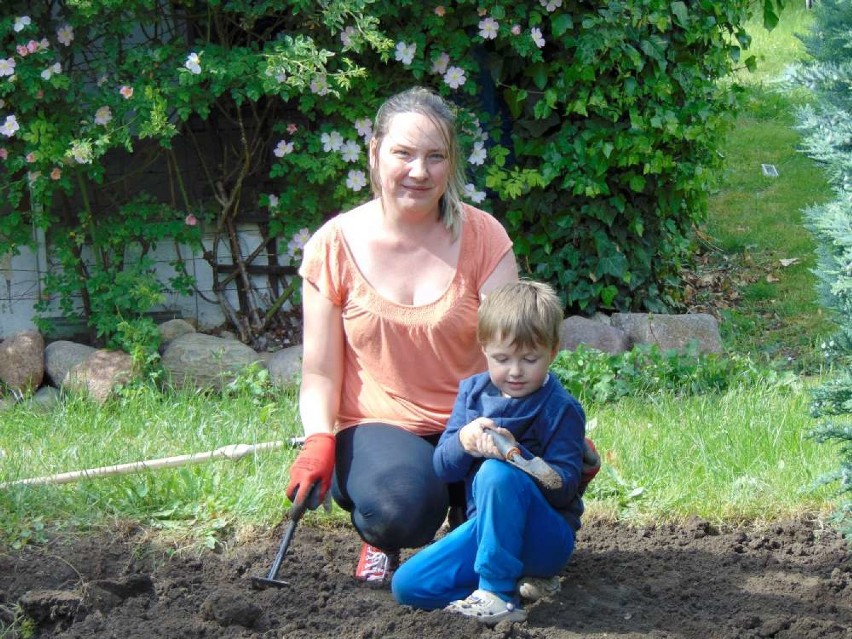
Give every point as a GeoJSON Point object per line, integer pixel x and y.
{"type": "Point", "coordinates": [356, 180]}
{"type": "Point", "coordinates": [190, 220]}
{"type": "Point", "coordinates": [22, 50]}
{"type": "Point", "coordinates": [440, 11]}
{"type": "Point", "coordinates": [56, 173]}
{"type": "Point", "coordinates": [364, 128]}
{"type": "Point", "coordinates": [488, 28]}
{"type": "Point", "coordinates": [283, 148]}
{"type": "Point", "coordinates": [126, 92]}
{"type": "Point", "coordinates": [516, 29]}
{"type": "Point", "coordinates": [405, 52]}
{"type": "Point", "coordinates": [65, 34]}
{"type": "Point", "coordinates": [319, 85]}
{"type": "Point", "coordinates": [21, 23]}
{"type": "Point", "coordinates": [32, 46]}
{"type": "Point", "coordinates": [455, 77]}
{"type": "Point", "coordinates": [440, 64]}
{"type": "Point", "coordinates": [7, 66]}
{"type": "Point", "coordinates": [292, 128]}
{"type": "Point", "coordinates": [193, 63]}
{"type": "Point", "coordinates": [537, 38]}
{"type": "Point", "coordinates": [10, 126]}
{"type": "Point", "coordinates": [3, 153]}
{"type": "Point", "coordinates": [31, 157]}
{"type": "Point", "coordinates": [103, 115]}
{"type": "Point", "coordinates": [346, 36]}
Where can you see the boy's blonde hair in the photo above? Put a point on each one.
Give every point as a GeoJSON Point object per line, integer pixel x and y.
{"type": "Point", "coordinates": [527, 313]}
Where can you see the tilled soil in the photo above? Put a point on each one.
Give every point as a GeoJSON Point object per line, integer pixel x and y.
{"type": "Point", "coordinates": [790, 580]}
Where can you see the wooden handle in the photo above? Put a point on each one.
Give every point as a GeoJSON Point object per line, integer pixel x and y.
{"type": "Point", "coordinates": [506, 447]}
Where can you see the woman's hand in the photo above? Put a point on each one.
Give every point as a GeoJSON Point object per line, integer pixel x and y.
{"type": "Point", "coordinates": [476, 439]}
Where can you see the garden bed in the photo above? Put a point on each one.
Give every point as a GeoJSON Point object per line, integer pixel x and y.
{"type": "Point", "coordinates": [790, 580]}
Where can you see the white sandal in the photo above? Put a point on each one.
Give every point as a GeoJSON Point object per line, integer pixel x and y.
{"type": "Point", "coordinates": [487, 607]}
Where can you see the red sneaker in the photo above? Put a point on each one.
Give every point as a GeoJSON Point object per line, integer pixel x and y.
{"type": "Point", "coordinates": [376, 566]}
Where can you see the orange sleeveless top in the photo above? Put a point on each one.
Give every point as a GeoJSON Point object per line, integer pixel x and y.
{"type": "Point", "coordinates": [402, 364]}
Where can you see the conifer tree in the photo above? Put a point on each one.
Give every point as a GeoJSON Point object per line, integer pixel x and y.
{"type": "Point", "coordinates": [827, 125]}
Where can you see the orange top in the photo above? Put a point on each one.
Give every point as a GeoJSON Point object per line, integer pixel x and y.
{"type": "Point", "coordinates": [402, 364]}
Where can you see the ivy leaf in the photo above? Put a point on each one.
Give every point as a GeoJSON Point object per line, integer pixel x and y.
{"type": "Point", "coordinates": [680, 12]}
{"type": "Point", "coordinates": [770, 17]}
{"type": "Point", "coordinates": [538, 73]}
{"type": "Point", "coordinates": [608, 294]}
{"type": "Point", "coordinates": [561, 24]}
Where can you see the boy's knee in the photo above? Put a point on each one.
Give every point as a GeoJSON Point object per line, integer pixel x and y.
{"type": "Point", "coordinates": [496, 472]}
{"type": "Point", "coordinates": [404, 586]}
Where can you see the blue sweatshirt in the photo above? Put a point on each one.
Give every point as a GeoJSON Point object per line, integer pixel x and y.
{"type": "Point", "coordinates": [549, 423]}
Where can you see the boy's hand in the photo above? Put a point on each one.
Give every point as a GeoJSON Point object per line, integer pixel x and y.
{"type": "Point", "coordinates": [476, 439]}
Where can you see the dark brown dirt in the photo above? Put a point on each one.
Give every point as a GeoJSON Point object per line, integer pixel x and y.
{"type": "Point", "coordinates": [791, 580]}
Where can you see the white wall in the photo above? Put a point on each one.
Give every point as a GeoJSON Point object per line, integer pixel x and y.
{"type": "Point", "coordinates": [19, 291]}
{"type": "Point", "coordinates": [20, 282]}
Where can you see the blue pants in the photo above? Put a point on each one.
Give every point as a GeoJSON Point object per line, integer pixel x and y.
{"type": "Point", "coordinates": [515, 532]}
{"type": "Point", "coordinates": [384, 477]}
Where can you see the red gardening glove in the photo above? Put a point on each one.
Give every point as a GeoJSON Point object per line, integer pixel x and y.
{"type": "Point", "coordinates": [314, 465]}
{"type": "Point", "coordinates": [591, 465]}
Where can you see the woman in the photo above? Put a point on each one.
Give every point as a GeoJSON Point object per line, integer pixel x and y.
{"type": "Point", "coordinates": [390, 295]}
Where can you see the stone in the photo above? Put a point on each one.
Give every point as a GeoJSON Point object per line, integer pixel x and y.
{"type": "Point", "coordinates": [285, 366]}
{"type": "Point", "coordinates": [202, 361]}
{"type": "Point", "coordinates": [99, 374]}
{"type": "Point", "coordinates": [46, 398]}
{"type": "Point", "coordinates": [578, 330]}
{"type": "Point", "coordinates": [171, 330]}
{"type": "Point", "coordinates": [22, 361]}
{"type": "Point", "coordinates": [61, 356]}
{"type": "Point", "coordinates": [671, 331]}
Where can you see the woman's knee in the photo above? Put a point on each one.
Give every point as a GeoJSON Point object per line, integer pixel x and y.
{"type": "Point", "coordinates": [392, 521]}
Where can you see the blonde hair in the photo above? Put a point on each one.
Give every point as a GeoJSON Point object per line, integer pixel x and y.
{"type": "Point", "coordinates": [430, 104]}
{"type": "Point", "coordinates": [526, 312]}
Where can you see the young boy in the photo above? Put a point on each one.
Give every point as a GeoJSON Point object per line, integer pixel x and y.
{"type": "Point", "coordinates": [516, 528]}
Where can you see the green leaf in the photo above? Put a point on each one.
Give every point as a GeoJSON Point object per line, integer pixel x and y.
{"type": "Point", "coordinates": [561, 24]}
{"type": "Point", "coordinates": [538, 73]}
{"type": "Point", "coordinates": [680, 12]}
{"type": "Point", "coordinates": [770, 17]}
{"type": "Point", "coordinates": [608, 294]}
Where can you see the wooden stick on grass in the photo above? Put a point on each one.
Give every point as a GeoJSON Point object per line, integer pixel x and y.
{"type": "Point", "coordinates": [232, 452]}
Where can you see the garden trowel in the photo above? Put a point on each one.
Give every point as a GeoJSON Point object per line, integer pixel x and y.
{"type": "Point", "coordinates": [535, 467]}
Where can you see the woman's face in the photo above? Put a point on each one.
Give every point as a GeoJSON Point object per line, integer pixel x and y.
{"type": "Point", "coordinates": [412, 163]}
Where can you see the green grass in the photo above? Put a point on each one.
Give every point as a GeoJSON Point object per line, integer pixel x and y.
{"type": "Point", "coordinates": [775, 50]}
{"type": "Point", "coordinates": [744, 455]}
{"type": "Point", "coordinates": [205, 498]}
{"type": "Point", "coordinates": [754, 227]}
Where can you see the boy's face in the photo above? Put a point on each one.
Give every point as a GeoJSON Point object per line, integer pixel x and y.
{"type": "Point", "coordinates": [517, 372]}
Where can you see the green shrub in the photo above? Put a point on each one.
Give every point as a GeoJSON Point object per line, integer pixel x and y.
{"type": "Point", "coordinates": [828, 132]}
{"type": "Point", "coordinates": [592, 126]}
{"type": "Point", "coordinates": [596, 377]}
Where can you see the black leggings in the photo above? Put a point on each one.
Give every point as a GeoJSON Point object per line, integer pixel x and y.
{"type": "Point", "coordinates": [384, 477]}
